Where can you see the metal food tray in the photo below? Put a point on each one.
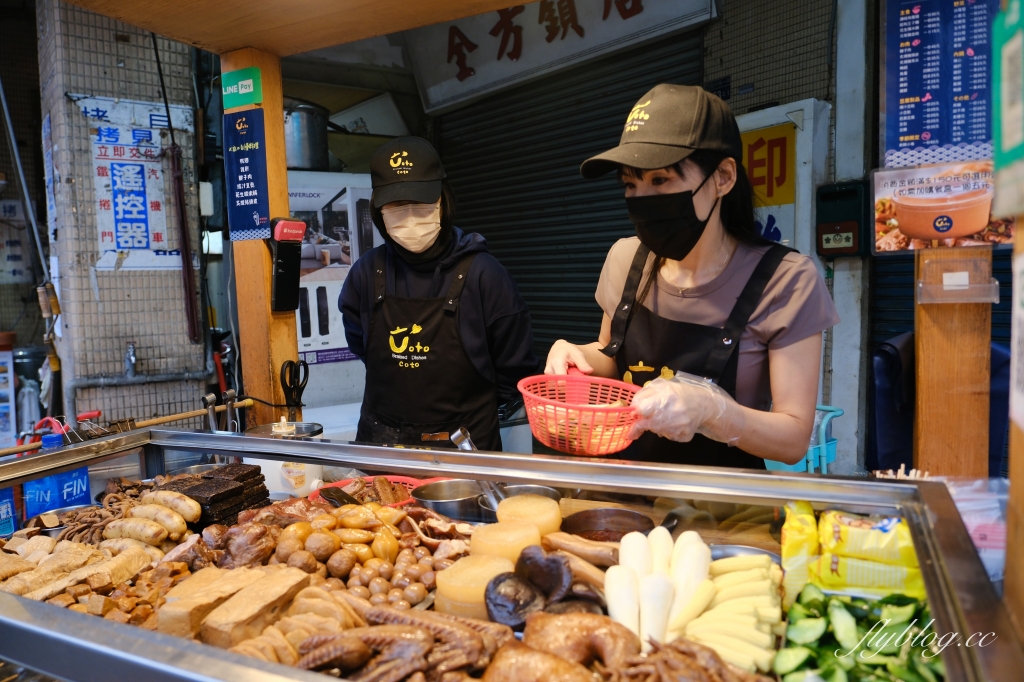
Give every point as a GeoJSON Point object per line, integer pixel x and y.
{"type": "Point", "coordinates": [85, 648]}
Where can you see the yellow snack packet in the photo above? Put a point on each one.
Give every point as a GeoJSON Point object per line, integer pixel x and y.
{"type": "Point", "coordinates": [857, 576]}
{"type": "Point", "coordinates": [799, 549]}
{"type": "Point", "coordinates": [884, 540]}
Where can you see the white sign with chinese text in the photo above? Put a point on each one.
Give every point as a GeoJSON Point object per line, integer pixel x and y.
{"type": "Point", "coordinates": [128, 139]}
{"type": "Point", "coordinates": [460, 61]}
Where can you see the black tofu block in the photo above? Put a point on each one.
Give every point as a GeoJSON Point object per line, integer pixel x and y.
{"type": "Point", "coordinates": [235, 472]}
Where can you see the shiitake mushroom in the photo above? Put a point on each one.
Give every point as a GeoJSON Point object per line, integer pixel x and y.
{"type": "Point", "coordinates": [587, 592]}
{"type": "Point", "coordinates": [574, 606]}
{"type": "Point", "coordinates": [550, 573]}
{"type": "Point", "coordinates": [510, 599]}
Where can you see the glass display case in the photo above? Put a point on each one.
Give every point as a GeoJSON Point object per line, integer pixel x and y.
{"type": "Point", "coordinates": [727, 507]}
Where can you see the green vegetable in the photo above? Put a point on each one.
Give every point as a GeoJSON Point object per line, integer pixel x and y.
{"type": "Point", "coordinates": [826, 656]}
{"type": "Point", "coordinates": [836, 675]}
{"type": "Point", "coordinates": [896, 599]}
{"type": "Point", "coordinates": [887, 640]}
{"type": "Point", "coordinates": [898, 614]}
{"type": "Point", "coordinates": [789, 659]}
{"type": "Point", "coordinates": [877, 659]}
{"type": "Point", "coordinates": [844, 627]}
{"type": "Point", "coordinates": [924, 671]}
{"type": "Point", "coordinates": [798, 612]}
{"type": "Point", "coordinates": [800, 675]}
{"type": "Point", "coordinates": [810, 593]}
{"type": "Point", "coordinates": [858, 608]}
{"type": "Point", "coordinates": [902, 673]}
{"type": "Point", "coordinates": [806, 631]}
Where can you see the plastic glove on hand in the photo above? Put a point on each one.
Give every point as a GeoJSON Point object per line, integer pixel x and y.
{"type": "Point", "coordinates": [685, 405]}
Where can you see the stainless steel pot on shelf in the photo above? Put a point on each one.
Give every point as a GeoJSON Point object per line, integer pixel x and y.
{"type": "Point", "coordinates": [305, 135]}
{"type": "Point", "coordinates": [56, 642]}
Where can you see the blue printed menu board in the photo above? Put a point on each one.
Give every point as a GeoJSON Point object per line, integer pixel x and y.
{"type": "Point", "coordinates": [245, 173]}
{"type": "Point", "coordinates": [938, 95]}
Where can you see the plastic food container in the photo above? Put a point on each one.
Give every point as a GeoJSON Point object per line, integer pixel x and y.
{"type": "Point", "coordinates": [578, 414]}
{"type": "Point", "coordinates": [943, 217]}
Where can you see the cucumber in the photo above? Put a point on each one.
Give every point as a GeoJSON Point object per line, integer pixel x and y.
{"type": "Point", "coordinates": [810, 593]}
{"type": "Point", "coordinates": [902, 673]}
{"type": "Point", "coordinates": [802, 676]}
{"type": "Point", "coordinates": [844, 626]}
{"type": "Point", "coordinates": [922, 669]}
{"type": "Point", "coordinates": [798, 612]}
{"type": "Point", "coordinates": [806, 631]}
{"type": "Point", "coordinates": [836, 675]}
{"type": "Point", "coordinates": [937, 666]}
{"type": "Point", "coordinates": [898, 614]}
{"type": "Point", "coordinates": [789, 659]}
{"type": "Point", "coordinates": [877, 660]}
{"type": "Point", "coordinates": [858, 608]}
{"type": "Point", "coordinates": [826, 656]}
{"type": "Point", "coordinates": [886, 640]}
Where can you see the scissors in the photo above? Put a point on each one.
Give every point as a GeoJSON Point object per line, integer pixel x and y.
{"type": "Point", "coordinates": [294, 376]}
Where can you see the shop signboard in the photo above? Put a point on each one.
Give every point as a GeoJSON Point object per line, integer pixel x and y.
{"type": "Point", "coordinates": [335, 208]}
{"type": "Point", "coordinates": [127, 142]}
{"type": "Point", "coordinates": [459, 61]}
{"type": "Point", "coordinates": [938, 205]}
{"type": "Point", "coordinates": [245, 171]}
{"type": "Point", "coordinates": [769, 155]}
{"type": "Point", "coordinates": [15, 258]}
{"type": "Point", "coordinates": [1008, 103]}
{"type": "Point", "coordinates": [242, 87]}
{"type": "Point", "coordinates": [936, 89]}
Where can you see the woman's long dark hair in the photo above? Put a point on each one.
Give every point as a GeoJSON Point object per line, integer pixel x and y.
{"type": "Point", "coordinates": [736, 212]}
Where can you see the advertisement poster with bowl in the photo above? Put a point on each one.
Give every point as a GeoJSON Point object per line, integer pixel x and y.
{"type": "Point", "coordinates": [938, 205]}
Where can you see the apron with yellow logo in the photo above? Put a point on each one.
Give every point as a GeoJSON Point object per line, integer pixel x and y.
{"type": "Point", "coordinates": [421, 385]}
{"type": "Point", "coordinates": [646, 346]}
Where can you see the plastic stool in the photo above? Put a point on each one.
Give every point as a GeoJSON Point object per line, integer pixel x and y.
{"type": "Point", "coordinates": [818, 456]}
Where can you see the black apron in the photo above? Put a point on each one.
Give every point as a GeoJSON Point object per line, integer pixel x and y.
{"type": "Point", "coordinates": [420, 384]}
{"type": "Point", "coordinates": [646, 346]}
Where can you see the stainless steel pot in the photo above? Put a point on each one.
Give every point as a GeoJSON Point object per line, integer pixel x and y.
{"type": "Point", "coordinates": [487, 512]}
{"type": "Point", "coordinates": [305, 135]}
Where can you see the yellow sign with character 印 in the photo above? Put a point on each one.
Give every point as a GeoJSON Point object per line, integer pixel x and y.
{"type": "Point", "coordinates": [769, 156]}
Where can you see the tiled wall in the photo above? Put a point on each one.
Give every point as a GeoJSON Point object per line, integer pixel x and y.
{"type": "Point", "coordinates": [88, 54]}
{"type": "Point", "coordinates": [20, 73]}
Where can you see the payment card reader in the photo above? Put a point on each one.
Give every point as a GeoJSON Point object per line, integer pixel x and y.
{"type": "Point", "coordinates": [286, 253]}
{"type": "Point", "coordinates": [842, 220]}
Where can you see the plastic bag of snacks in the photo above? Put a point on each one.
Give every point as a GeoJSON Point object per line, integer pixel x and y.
{"type": "Point", "coordinates": [799, 548]}
{"type": "Point", "coordinates": [884, 540]}
{"type": "Point", "coordinates": [858, 577]}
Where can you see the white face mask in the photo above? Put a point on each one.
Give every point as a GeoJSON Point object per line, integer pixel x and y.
{"type": "Point", "coordinates": [414, 227]}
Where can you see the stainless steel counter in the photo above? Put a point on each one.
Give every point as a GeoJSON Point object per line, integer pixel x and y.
{"type": "Point", "coordinates": [84, 648]}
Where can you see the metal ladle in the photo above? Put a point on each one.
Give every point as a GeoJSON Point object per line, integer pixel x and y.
{"type": "Point", "coordinates": [494, 492]}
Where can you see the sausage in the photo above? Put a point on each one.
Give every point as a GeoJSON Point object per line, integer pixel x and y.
{"type": "Point", "coordinates": [118, 545]}
{"type": "Point", "coordinates": [144, 530]}
{"type": "Point", "coordinates": [597, 553]}
{"type": "Point", "coordinates": [166, 517]}
{"type": "Point", "coordinates": [188, 508]}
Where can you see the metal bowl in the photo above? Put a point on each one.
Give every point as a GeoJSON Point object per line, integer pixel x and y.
{"type": "Point", "coordinates": [455, 498]}
{"type": "Point", "coordinates": [54, 532]}
{"type": "Point", "coordinates": [608, 524]}
{"type": "Point", "coordinates": [726, 551]}
{"type": "Point", "coordinates": [487, 514]}
{"type": "Point", "coordinates": [195, 469]}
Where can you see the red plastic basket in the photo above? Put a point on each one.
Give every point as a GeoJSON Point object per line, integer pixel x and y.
{"type": "Point", "coordinates": [406, 482]}
{"type": "Point", "coordinates": [575, 414]}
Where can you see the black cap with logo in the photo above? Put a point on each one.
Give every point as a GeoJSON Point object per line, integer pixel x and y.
{"type": "Point", "coordinates": [406, 169]}
{"type": "Point", "coordinates": [665, 126]}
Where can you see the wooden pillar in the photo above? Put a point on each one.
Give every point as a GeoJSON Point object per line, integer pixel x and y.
{"type": "Point", "coordinates": [953, 357]}
{"type": "Point", "coordinates": [1013, 583]}
{"type": "Point", "coordinates": [267, 338]}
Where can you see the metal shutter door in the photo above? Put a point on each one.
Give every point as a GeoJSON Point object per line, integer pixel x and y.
{"type": "Point", "coordinates": [513, 162]}
{"type": "Point", "coordinates": [892, 296]}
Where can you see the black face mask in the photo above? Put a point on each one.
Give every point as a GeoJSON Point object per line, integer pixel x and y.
{"type": "Point", "coordinates": [667, 224]}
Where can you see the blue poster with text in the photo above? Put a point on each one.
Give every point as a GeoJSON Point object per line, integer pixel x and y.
{"type": "Point", "coordinates": [55, 492]}
{"type": "Point", "coordinates": [245, 175]}
{"type": "Point", "coordinates": [8, 522]}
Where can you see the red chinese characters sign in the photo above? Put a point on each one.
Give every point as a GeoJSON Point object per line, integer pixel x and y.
{"type": "Point", "coordinates": [468, 57]}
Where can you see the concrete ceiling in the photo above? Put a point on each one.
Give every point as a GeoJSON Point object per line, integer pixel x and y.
{"type": "Point", "coordinates": [283, 27]}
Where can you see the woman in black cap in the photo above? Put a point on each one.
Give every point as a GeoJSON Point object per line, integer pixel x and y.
{"type": "Point", "coordinates": [438, 322]}
{"type": "Point", "coordinates": [721, 327]}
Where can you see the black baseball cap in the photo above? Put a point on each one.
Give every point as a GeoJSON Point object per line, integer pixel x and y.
{"type": "Point", "coordinates": [665, 126]}
{"type": "Point", "coordinates": [406, 169]}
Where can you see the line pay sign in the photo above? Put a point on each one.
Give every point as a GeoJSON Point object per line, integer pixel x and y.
{"type": "Point", "coordinates": [242, 87]}
{"type": "Point", "coordinates": [769, 155]}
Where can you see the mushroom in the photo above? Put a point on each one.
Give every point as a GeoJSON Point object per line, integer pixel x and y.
{"type": "Point", "coordinates": [551, 573]}
{"type": "Point", "coordinates": [510, 599]}
{"type": "Point", "coordinates": [574, 606]}
{"type": "Point", "coordinates": [587, 592]}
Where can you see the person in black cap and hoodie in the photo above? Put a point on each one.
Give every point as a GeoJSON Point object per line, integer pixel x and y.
{"type": "Point", "coordinates": [438, 322]}
{"type": "Point", "coordinates": [720, 326]}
